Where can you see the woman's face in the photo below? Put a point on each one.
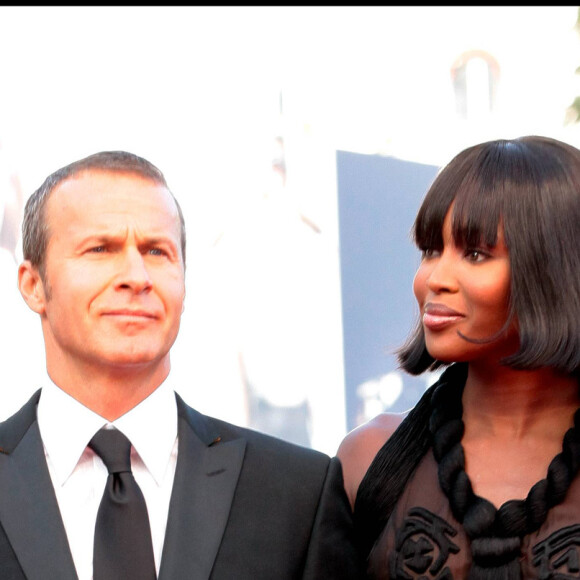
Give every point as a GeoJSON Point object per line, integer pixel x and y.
{"type": "Point", "coordinates": [464, 292]}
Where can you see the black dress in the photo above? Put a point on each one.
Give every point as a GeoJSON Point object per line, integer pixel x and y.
{"type": "Point", "coordinates": [426, 537]}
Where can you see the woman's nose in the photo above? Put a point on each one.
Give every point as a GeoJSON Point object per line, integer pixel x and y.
{"type": "Point", "coordinates": [442, 274]}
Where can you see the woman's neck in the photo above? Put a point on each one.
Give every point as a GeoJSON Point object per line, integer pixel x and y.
{"type": "Point", "coordinates": [500, 398]}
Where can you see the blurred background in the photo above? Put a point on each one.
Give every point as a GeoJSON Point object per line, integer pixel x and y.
{"type": "Point", "coordinates": [299, 142]}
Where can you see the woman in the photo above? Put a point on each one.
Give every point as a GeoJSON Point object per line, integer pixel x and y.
{"type": "Point", "coordinates": [479, 479]}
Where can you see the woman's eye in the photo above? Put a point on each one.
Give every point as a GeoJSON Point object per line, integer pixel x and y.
{"type": "Point", "coordinates": [475, 255]}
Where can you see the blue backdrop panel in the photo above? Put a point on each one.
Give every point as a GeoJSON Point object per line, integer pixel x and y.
{"type": "Point", "coordinates": [378, 198]}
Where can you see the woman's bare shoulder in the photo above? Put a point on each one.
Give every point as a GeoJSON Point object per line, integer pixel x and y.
{"type": "Point", "coordinates": [359, 447]}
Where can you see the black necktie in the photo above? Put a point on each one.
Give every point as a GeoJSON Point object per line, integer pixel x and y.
{"type": "Point", "coordinates": [123, 549]}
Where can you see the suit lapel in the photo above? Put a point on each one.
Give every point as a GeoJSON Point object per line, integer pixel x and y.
{"type": "Point", "coordinates": [29, 510]}
{"type": "Point", "coordinates": [205, 481]}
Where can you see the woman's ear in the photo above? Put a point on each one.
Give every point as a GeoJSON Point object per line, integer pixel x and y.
{"type": "Point", "coordinates": [32, 287]}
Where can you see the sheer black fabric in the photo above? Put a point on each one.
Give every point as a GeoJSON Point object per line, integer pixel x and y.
{"type": "Point", "coordinates": [493, 536]}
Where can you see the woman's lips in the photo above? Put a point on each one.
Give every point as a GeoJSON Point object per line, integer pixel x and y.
{"type": "Point", "coordinates": [437, 316]}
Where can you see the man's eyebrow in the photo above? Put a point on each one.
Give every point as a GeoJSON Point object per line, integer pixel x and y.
{"type": "Point", "coordinates": [101, 238]}
{"type": "Point", "coordinates": [156, 240]}
{"type": "Point", "coordinates": [113, 237]}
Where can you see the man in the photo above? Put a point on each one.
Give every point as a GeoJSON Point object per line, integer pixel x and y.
{"type": "Point", "coordinates": [104, 259]}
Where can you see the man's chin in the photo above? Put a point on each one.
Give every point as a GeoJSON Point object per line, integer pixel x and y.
{"type": "Point", "coordinates": [135, 361]}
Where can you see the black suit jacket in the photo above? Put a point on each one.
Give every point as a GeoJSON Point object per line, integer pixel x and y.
{"type": "Point", "coordinates": [244, 506]}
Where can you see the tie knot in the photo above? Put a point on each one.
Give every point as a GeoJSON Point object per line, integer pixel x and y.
{"type": "Point", "coordinates": [113, 448]}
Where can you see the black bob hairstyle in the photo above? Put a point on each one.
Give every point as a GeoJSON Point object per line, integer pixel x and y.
{"type": "Point", "coordinates": [531, 187]}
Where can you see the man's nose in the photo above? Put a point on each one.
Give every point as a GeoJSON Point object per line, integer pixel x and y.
{"type": "Point", "coordinates": [133, 272]}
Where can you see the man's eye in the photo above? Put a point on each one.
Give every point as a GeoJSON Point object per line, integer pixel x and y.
{"type": "Point", "coordinates": [98, 249]}
{"type": "Point", "coordinates": [157, 252]}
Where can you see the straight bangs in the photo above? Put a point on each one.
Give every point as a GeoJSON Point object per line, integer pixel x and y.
{"type": "Point", "coordinates": [471, 184]}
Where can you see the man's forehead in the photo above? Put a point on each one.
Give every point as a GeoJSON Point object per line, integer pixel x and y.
{"type": "Point", "coordinates": [97, 197]}
{"type": "Point", "coordinates": [95, 185]}
{"type": "Point", "coordinates": [97, 175]}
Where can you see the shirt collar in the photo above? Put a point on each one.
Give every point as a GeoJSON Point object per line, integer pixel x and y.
{"type": "Point", "coordinates": [66, 427]}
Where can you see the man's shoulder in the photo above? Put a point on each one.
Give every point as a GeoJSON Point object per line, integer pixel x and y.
{"type": "Point", "coordinates": [14, 427]}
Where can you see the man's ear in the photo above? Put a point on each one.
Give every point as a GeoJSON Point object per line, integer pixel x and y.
{"type": "Point", "coordinates": [32, 287]}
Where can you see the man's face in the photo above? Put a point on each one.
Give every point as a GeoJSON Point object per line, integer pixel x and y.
{"type": "Point", "coordinates": [114, 280]}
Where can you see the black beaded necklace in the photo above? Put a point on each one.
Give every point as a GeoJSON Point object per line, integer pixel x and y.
{"type": "Point", "coordinates": [495, 534]}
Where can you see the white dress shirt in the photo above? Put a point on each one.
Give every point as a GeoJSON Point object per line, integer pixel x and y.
{"type": "Point", "coordinates": [79, 475]}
